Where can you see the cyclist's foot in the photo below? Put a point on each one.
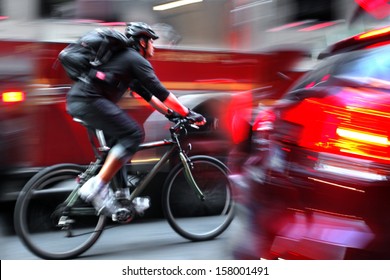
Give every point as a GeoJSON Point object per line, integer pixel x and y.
{"type": "Point", "coordinates": [90, 188]}
{"type": "Point", "coordinates": [100, 196]}
{"type": "Point", "coordinates": [141, 204]}
{"type": "Point", "coordinates": [122, 194]}
{"type": "Point", "coordinates": [126, 214]}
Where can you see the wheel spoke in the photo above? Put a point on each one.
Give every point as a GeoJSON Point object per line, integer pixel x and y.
{"type": "Point", "coordinates": [48, 228]}
{"type": "Point", "coordinates": [191, 217]}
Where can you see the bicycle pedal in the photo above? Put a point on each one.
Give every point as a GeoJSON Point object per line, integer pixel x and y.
{"type": "Point", "coordinates": [64, 221]}
{"type": "Point", "coordinates": [123, 215]}
{"type": "Point", "coordinates": [141, 204]}
{"type": "Point", "coordinates": [125, 203]}
{"type": "Point", "coordinates": [122, 194]}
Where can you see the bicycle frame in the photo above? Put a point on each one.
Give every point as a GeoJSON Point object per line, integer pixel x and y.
{"type": "Point", "coordinates": [174, 144]}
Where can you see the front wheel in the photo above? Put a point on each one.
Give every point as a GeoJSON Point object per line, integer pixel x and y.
{"type": "Point", "coordinates": [190, 216]}
{"type": "Point", "coordinates": [39, 208]}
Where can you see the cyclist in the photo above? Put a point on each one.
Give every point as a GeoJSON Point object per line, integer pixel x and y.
{"type": "Point", "coordinates": [94, 102]}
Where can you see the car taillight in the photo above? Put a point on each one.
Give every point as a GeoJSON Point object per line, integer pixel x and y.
{"type": "Point", "coordinates": [363, 136]}
{"type": "Point", "coordinates": [363, 143]}
{"type": "Point", "coordinates": [9, 97]}
{"type": "Point", "coordinates": [324, 126]}
{"type": "Point", "coordinates": [373, 33]}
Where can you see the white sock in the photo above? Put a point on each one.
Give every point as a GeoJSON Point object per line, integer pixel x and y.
{"type": "Point", "coordinates": [101, 185]}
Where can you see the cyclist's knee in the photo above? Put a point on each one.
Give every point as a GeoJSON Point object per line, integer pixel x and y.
{"type": "Point", "coordinates": [133, 141]}
{"type": "Point", "coordinates": [140, 137]}
{"type": "Point", "coordinates": [121, 152]}
{"type": "Point", "coordinates": [128, 145]}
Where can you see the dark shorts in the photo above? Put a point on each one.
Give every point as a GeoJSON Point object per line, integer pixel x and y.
{"type": "Point", "coordinates": [117, 125]}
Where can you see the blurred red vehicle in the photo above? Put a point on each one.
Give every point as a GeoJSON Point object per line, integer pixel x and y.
{"type": "Point", "coordinates": [36, 131]}
{"type": "Point", "coordinates": [316, 182]}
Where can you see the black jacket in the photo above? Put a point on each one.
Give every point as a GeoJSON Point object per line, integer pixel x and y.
{"type": "Point", "coordinates": [126, 69]}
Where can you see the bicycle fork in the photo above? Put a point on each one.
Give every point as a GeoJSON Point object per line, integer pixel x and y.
{"type": "Point", "coordinates": [188, 165]}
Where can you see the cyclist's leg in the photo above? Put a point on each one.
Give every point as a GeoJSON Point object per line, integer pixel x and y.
{"type": "Point", "coordinates": [102, 114]}
{"type": "Point", "coordinates": [119, 181]}
{"type": "Point", "coordinates": [117, 126]}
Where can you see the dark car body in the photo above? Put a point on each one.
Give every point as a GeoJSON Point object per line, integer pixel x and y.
{"type": "Point", "coordinates": [316, 182]}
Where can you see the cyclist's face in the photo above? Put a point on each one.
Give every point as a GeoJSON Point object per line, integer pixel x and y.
{"type": "Point", "coordinates": [150, 48]}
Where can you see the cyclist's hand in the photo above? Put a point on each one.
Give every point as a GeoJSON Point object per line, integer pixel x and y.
{"type": "Point", "coordinates": [173, 116]}
{"type": "Point", "coordinates": [196, 118]}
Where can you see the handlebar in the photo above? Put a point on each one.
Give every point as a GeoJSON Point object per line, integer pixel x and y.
{"type": "Point", "coordinates": [182, 122]}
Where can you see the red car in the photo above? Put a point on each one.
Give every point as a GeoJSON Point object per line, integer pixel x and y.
{"type": "Point", "coordinates": [316, 184]}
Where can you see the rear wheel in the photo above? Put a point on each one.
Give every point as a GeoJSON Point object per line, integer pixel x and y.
{"type": "Point", "coordinates": [39, 208]}
{"type": "Point", "coordinates": [190, 216]}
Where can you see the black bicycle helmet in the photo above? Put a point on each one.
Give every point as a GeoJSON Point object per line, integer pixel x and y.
{"type": "Point", "coordinates": [139, 29]}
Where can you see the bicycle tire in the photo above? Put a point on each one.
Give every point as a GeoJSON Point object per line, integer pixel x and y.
{"type": "Point", "coordinates": [190, 217]}
{"type": "Point", "coordinates": [36, 215]}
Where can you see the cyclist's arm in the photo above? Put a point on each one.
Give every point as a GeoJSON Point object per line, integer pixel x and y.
{"type": "Point", "coordinates": [173, 103]}
{"type": "Point", "coordinates": [170, 103]}
{"type": "Point", "coordinates": [158, 105]}
{"type": "Point", "coordinates": [149, 83]}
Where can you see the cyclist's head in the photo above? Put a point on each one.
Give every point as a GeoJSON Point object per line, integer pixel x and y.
{"type": "Point", "coordinates": [139, 31]}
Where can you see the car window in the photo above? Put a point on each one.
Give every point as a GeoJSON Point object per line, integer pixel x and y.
{"type": "Point", "coordinates": [317, 76]}
{"type": "Point", "coordinates": [372, 63]}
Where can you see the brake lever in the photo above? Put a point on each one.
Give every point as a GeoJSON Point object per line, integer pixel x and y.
{"type": "Point", "coordinates": [194, 126]}
{"type": "Point", "coordinates": [191, 123]}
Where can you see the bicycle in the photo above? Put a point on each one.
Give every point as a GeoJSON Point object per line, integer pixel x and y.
{"type": "Point", "coordinates": [54, 223]}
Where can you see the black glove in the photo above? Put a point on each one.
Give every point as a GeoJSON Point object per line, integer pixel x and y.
{"type": "Point", "coordinates": [172, 116]}
{"type": "Point", "coordinates": [196, 118]}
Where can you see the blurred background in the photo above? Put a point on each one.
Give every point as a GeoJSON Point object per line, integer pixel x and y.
{"type": "Point", "coordinates": [222, 57]}
{"type": "Point", "coordinates": [234, 24]}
